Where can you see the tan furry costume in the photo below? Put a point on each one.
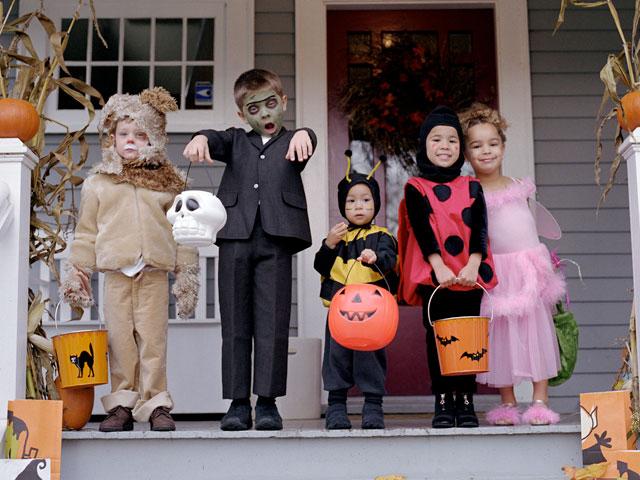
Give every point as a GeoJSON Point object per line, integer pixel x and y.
{"type": "Point", "coordinates": [122, 222]}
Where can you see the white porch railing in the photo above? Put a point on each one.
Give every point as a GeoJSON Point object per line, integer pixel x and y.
{"type": "Point", "coordinates": [207, 309]}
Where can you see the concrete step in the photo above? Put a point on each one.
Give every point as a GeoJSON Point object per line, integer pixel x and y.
{"type": "Point", "coordinates": [304, 450]}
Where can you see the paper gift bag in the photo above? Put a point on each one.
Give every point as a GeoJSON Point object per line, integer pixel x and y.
{"type": "Point", "coordinates": [34, 430]}
{"type": "Point", "coordinates": [25, 469]}
{"type": "Point", "coordinates": [605, 419]}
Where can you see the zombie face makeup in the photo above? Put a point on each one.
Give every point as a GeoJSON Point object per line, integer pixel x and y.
{"type": "Point", "coordinates": [264, 110]}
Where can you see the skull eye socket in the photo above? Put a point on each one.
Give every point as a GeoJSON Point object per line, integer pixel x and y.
{"type": "Point", "coordinates": [192, 204]}
{"type": "Point", "coordinates": [179, 205]}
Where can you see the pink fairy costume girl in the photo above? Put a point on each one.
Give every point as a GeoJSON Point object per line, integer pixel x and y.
{"type": "Point", "coordinates": [523, 344]}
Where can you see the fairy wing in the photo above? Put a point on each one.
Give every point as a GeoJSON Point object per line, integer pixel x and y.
{"type": "Point", "coordinates": [546, 224]}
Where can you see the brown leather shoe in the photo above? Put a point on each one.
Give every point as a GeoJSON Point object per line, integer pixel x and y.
{"type": "Point", "coordinates": [119, 419]}
{"type": "Point", "coordinates": [161, 420]}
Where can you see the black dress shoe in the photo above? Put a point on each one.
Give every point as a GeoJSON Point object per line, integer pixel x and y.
{"type": "Point", "coordinates": [445, 416]}
{"type": "Point", "coordinates": [237, 418]}
{"type": "Point", "coordinates": [268, 418]}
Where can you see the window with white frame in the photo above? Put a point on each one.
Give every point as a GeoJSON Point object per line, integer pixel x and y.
{"type": "Point", "coordinates": [194, 49]}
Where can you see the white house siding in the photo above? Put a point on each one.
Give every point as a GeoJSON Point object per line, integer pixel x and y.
{"type": "Point", "coordinates": [566, 96]}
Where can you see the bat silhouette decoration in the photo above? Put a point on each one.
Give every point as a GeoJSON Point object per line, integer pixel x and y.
{"type": "Point", "coordinates": [475, 356]}
{"type": "Point", "coordinates": [444, 341]}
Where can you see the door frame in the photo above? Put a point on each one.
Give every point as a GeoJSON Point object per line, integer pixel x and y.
{"type": "Point", "coordinates": [514, 97]}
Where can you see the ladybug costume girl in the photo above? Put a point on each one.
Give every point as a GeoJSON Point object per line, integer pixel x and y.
{"type": "Point", "coordinates": [443, 241]}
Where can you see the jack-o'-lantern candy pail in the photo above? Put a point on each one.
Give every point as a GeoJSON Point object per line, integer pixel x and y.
{"type": "Point", "coordinates": [363, 317]}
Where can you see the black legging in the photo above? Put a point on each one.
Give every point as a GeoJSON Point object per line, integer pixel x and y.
{"type": "Point", "coordinates": [448, 303]}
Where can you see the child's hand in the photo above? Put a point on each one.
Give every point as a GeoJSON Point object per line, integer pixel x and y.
{"type": "Point", "coordinates": [368, 256]}
{"type": "Point", "coordinates": [336, 234]}
{"type": "Point", "coordinates": [300, 147]}
{"type": "Point", "coordinates": [444, 275]}
{"type": "Point", "coordinates": [468, 276]}
{"type": "Point", "coordinates": [197, 150]}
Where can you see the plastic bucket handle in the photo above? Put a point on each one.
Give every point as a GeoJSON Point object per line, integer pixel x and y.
{"type": "Point", "coordinates": [436, 289]}
{"type": "Point", "coordinates": [55, 315]}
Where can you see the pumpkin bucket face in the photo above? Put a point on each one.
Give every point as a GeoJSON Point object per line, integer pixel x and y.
{"type": "Point", "coordinates": [363, 317]}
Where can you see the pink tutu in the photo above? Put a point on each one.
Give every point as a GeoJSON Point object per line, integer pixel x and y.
{"type": "Point", "coordinates": [522, 337]}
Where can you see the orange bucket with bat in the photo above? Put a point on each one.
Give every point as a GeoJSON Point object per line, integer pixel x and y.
{"type": "Point", "coordinates": [82, 357]}
{"type": "Point", "coordinates": [462, 342]}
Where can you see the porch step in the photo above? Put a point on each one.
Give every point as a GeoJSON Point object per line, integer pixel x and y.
{"type": "Point", "coordinates": [304, 450]}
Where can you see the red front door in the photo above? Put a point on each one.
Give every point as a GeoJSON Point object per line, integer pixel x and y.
{"type": "Point", "coordinates": [350, 33]}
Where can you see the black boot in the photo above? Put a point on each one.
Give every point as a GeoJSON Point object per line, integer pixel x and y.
{"type": "Point", "coordinates": [336, 416]}
{"type": "Point", "coordinates": [238, 417]}
{"type": "Point", "coordinates": [445, 411]}
{"type": "Point", "coordinates": [372, 414]}
{"type": "Point", "coordinates": [465, 413]}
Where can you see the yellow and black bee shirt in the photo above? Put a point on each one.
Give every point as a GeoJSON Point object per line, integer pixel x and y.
{"type": "Point", "coordinates": [339, 265]}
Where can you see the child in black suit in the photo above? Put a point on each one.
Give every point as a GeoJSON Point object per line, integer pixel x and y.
{"type": "Point", "coordinates": [267, 223]}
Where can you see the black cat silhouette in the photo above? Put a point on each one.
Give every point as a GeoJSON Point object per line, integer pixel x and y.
{"type": "Point", "coordinates": [623, 467]}
{"type": "Point", "coordinates": [85, 358]}
{"type": "Point", "coordinates": [593, 454]}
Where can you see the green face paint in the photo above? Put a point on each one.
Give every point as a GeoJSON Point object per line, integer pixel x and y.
{"type": "Point", "coordinates": [264, 110]}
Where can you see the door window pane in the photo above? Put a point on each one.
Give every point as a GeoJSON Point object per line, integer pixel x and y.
{"type": "Point", "coordinates": [110, 28]}
{"type": "Point", "coordinates": [200, 39]}
{"type": "Point", "coordinates": [168, 39]}
{"type": "Point", "coordinates": [200, 87]}
{"type": "Point", "coordinates": [135, 79]}
{"type": "Point", "coordinates": [105, 80]}
{"type": "Point", "coordinates": [64, 100]}
{"type": "Point", "coordinates": [137, 38]}
{"type": "Point", "coordinates": [169, 78]}
{"type": "Point", "coordinates": [77, 44]}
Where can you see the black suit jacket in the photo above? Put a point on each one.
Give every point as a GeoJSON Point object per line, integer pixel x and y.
{"type": "Point", "coordinates": [256, 178]}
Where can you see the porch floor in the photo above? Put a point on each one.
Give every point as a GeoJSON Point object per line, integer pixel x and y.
{"type": "Point", "coordinates": [305, 450]}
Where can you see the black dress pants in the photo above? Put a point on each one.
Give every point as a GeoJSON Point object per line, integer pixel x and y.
{"type": "Point", "coordinates": [254, 284]}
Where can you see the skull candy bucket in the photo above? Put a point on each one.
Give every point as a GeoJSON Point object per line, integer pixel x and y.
{"type": "Point", "coordinates": [197, 216]}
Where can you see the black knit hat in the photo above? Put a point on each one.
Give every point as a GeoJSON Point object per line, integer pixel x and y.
{"type": "Point", "coordinates": [444, 116]}
{"type": "Point", "coordinates": [354, 179]}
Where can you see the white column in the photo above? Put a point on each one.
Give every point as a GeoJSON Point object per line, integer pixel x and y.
{"type": "Point", "coordinates": [630, 151]}
{"type": "Point", "coordinates": [16, 163]}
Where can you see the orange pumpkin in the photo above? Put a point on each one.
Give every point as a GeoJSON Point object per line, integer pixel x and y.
{"type": "Point", "coordinates": [18, 119]}
{"type": "Point", "coordinates": [77, 405]}
{"type": "Point", "coordinates": [363, 317]}
{"type": "Point", "coordinates": [631, 106]}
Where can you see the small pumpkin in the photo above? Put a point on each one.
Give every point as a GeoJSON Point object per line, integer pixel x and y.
{"type": "Point", "coordinates": [77, 405]}
{"type": "Point", "coordinates": [631, 106]}
{"type": "Point", "coordinates": [363, 317]}
{"type": "Point", "coordinates": [18, 119]}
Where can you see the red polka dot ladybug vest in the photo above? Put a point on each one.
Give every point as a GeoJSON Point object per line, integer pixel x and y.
{"type": "Point", "coordinates": [450, 220]}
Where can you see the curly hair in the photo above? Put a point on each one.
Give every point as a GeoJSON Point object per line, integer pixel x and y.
{"type": "Point", "coordinates": [480, 113]}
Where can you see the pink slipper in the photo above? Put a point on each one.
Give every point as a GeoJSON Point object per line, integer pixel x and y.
{"type": "Point", "coordinates": [539, 414]}
{"type": "Point", "coordinates": [505, 414]}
